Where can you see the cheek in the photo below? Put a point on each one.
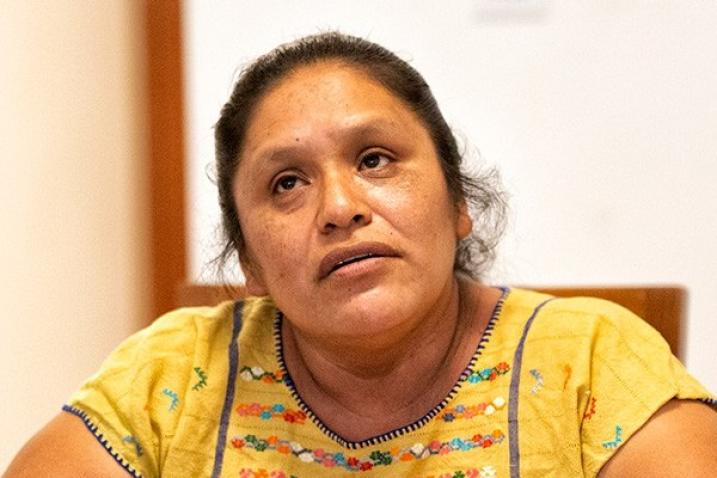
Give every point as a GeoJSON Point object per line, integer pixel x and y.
{"type": "Point", "coordinates": [419, 209]}
{"type": "Point", "coordinates": [275, 245]}
{"type": "Point", "coordinates": [430, 237]}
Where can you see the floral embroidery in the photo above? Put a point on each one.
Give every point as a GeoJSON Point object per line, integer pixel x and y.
{"type": "Point", "coordinates": [133, 441]}
{"type": "Point", "coordinates": [614, 443]}
{"type": "Point", "coordinates": [485, 472]}
{"type": "Point", "coordinates": [488, 374]}
{"type": "Point", "coordinates": [175, 398]}
{"type": "Point", "coordinates": [375, 458]}
{"type": "Point", "coordinates": [257, 373]}
{"type": "Point", "coordinates": [590, 409]}
{"type": "Point", "coordinates": [202, 379]}
{"type": "Point", "coordinates": [467, 412]}
{"type": "Point", "coordinates": [488, 472]}
{"type": "Point", "coordinates": [263, 473]}
{"type": "Point", "coordinates": [267, 412]}
{"type": "Point", "coordinates": [538, 381]}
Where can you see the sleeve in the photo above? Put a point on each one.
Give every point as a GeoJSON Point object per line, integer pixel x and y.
{"type": "Point", "coordinates": [132, 404]}
{"type": "Point", "coordinates": [632, 375]}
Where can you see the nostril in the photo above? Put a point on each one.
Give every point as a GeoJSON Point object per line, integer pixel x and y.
{"type": "Point", "coordinates": [358, 218]}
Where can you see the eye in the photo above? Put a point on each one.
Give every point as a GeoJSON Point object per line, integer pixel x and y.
{"type": "Point", "coordinates": [285, 184]}
{"type": "Point", "coordinates": [374, 160]}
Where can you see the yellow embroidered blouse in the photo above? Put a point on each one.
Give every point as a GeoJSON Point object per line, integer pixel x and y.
{"type": "Point", "coordinates": [554, 388]}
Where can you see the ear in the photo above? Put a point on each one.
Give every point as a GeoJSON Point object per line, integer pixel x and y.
{"type": "Point", "coordinates": [254, 282]}
{"type": "Point", "coordinates": [464, 223]}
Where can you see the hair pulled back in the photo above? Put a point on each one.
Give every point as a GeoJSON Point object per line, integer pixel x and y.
{"type": "Point", "coordinates": [480, 192]}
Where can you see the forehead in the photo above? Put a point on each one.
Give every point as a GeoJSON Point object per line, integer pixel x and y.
{"type": "Point", "coordinates": [328, 80]}
{"type": "Point", "coordinates": [321, 97]}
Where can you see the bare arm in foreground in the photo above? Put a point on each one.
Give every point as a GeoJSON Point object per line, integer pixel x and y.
{"type": "Point", "coordinates": [679, 440]}
{"type": "Point", "coordinates": [64, 448]}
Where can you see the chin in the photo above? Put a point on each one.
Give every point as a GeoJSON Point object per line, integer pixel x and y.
{"type": "Point", "coordinates": [371, 331]}
{"type": "Point", "coordinates": [376, 311]}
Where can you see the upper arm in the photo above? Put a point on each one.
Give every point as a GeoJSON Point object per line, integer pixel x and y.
{"type": "Point", "coordinates": [64, 448]}
{"type": "Point", "coordinates": [679, 440]}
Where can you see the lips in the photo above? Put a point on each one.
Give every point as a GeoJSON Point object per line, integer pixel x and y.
{"type": "Point", "coordinates": [343, 256]}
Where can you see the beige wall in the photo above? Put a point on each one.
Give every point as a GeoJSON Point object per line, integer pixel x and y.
{"type": "Point", "coordinates": [74, 202]}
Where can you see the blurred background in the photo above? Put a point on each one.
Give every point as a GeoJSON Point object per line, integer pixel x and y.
{"type": "Point", "coordinates": [601, 117]}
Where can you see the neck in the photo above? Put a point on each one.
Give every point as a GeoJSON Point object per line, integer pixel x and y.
{"type": "Point", "coordinates": [402, 372]}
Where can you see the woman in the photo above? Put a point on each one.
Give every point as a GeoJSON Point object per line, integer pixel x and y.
{"type": "Point", "coordinates": [371, 350]}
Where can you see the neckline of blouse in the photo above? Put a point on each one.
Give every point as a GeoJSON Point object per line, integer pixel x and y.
{"type": "Point", "coordinates": [467, 372]}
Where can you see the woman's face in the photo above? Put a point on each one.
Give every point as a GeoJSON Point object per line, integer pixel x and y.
{"type": "Point", "coordinates": [346, 215]}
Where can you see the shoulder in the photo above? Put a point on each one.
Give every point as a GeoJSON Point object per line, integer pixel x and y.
{"type": "Point", "coordinates": [574, 316]}
{"type": "Point", "coordinates": [584, 308]}
{"type": "Point", "coordinates": [131, 409]}
{"type": "Point", "coordinates": [184, 337]}
{"type": "Point", "coordinates": [607, 347]}
{"type": "Point", "coordinates": [176, 333]}
{"type": "Point", "coordinates": [594, 319]}
{"type": "Point", "coordinates": [191, 323]}
{"type": "Point", "coordinates": [134, 403]}
{"type": "Point", "coordinates": [592, 312]}
{"type": "Point", "coordinates": [618, 369]}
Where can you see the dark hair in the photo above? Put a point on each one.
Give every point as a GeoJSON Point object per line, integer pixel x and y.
{"type": "Point", "coordinates": [480, 192]}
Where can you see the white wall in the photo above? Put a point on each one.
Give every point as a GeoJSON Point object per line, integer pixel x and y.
{"type": "Point", "coordinates": [602, 117]}
{"type": "Point", "coordinates": [72, 189]}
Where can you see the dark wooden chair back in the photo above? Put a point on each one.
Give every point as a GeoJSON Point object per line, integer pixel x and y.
{"type": "Point", "coordinates": [662, 307]}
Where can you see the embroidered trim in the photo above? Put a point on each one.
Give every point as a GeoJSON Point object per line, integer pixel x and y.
{"type": "Point", "coordinates": [538, 381]}
{"type": "Point", "coordinates": [467, 372]}
{"type": "Point", "coordinates": [267, 412]}
{"type": "Point", "coordinates": [614, 443]}
{"type": "Point", "coordinates": [488, 374]}
{"type": "Point", "coordinates": [568, 370]}
{"type": "Point", "coordinates": [418, 451]}
{"type": "Point", "coordinates": [174, 398]}
{"type": "Point", "coordinates": [458, 412]}
{"type": "Point", "coordinates": [486, 471]}
{"type": "Point", "coordinates": [709, 401]}
{"type": "Point", "coordinates": [257, 373]}
{"type": "Point", "coordinates": [103, 441]}
{"type": "Point", "coordinates": [590, 409]}
{"type": "Point", "coordinates": [133, 441]}
{"type": "Point", "coordinates": [202, 379]}
{"type": "Point", "coordinates": [263, 473]}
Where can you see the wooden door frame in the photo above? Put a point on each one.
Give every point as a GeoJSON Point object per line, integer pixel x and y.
{"type": "Point", "coordinates": [165, 87]}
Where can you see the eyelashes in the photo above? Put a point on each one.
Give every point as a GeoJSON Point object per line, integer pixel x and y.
{"type": "Point", "coordinates": [374, 160]}
{"type": "Point", "coordinates": [285, 183]}
{"type": "Point", "coordinates": [372, 163]}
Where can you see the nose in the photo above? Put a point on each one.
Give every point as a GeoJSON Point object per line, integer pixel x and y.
{"type": "Point", "coordinates": [342, 204]}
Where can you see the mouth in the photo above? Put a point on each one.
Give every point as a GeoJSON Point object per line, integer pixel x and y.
{"type": "Point", "coordinates": [351, 260]}
{"type": "Point", "coordinates": [344, 256]}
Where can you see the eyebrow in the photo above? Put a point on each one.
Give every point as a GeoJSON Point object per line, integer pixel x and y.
{"type": "Point", "coordinates": [365, 127]}
{"type": "Point", "coordinates": [371, 126]}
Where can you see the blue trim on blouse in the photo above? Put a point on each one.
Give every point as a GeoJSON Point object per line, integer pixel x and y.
{"type": "Point", "coordinates": [103, 441]}
{"type": "Point", "coordinates": [514, 396]}
{"type": "Point", "coordinates": [229, 397]}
